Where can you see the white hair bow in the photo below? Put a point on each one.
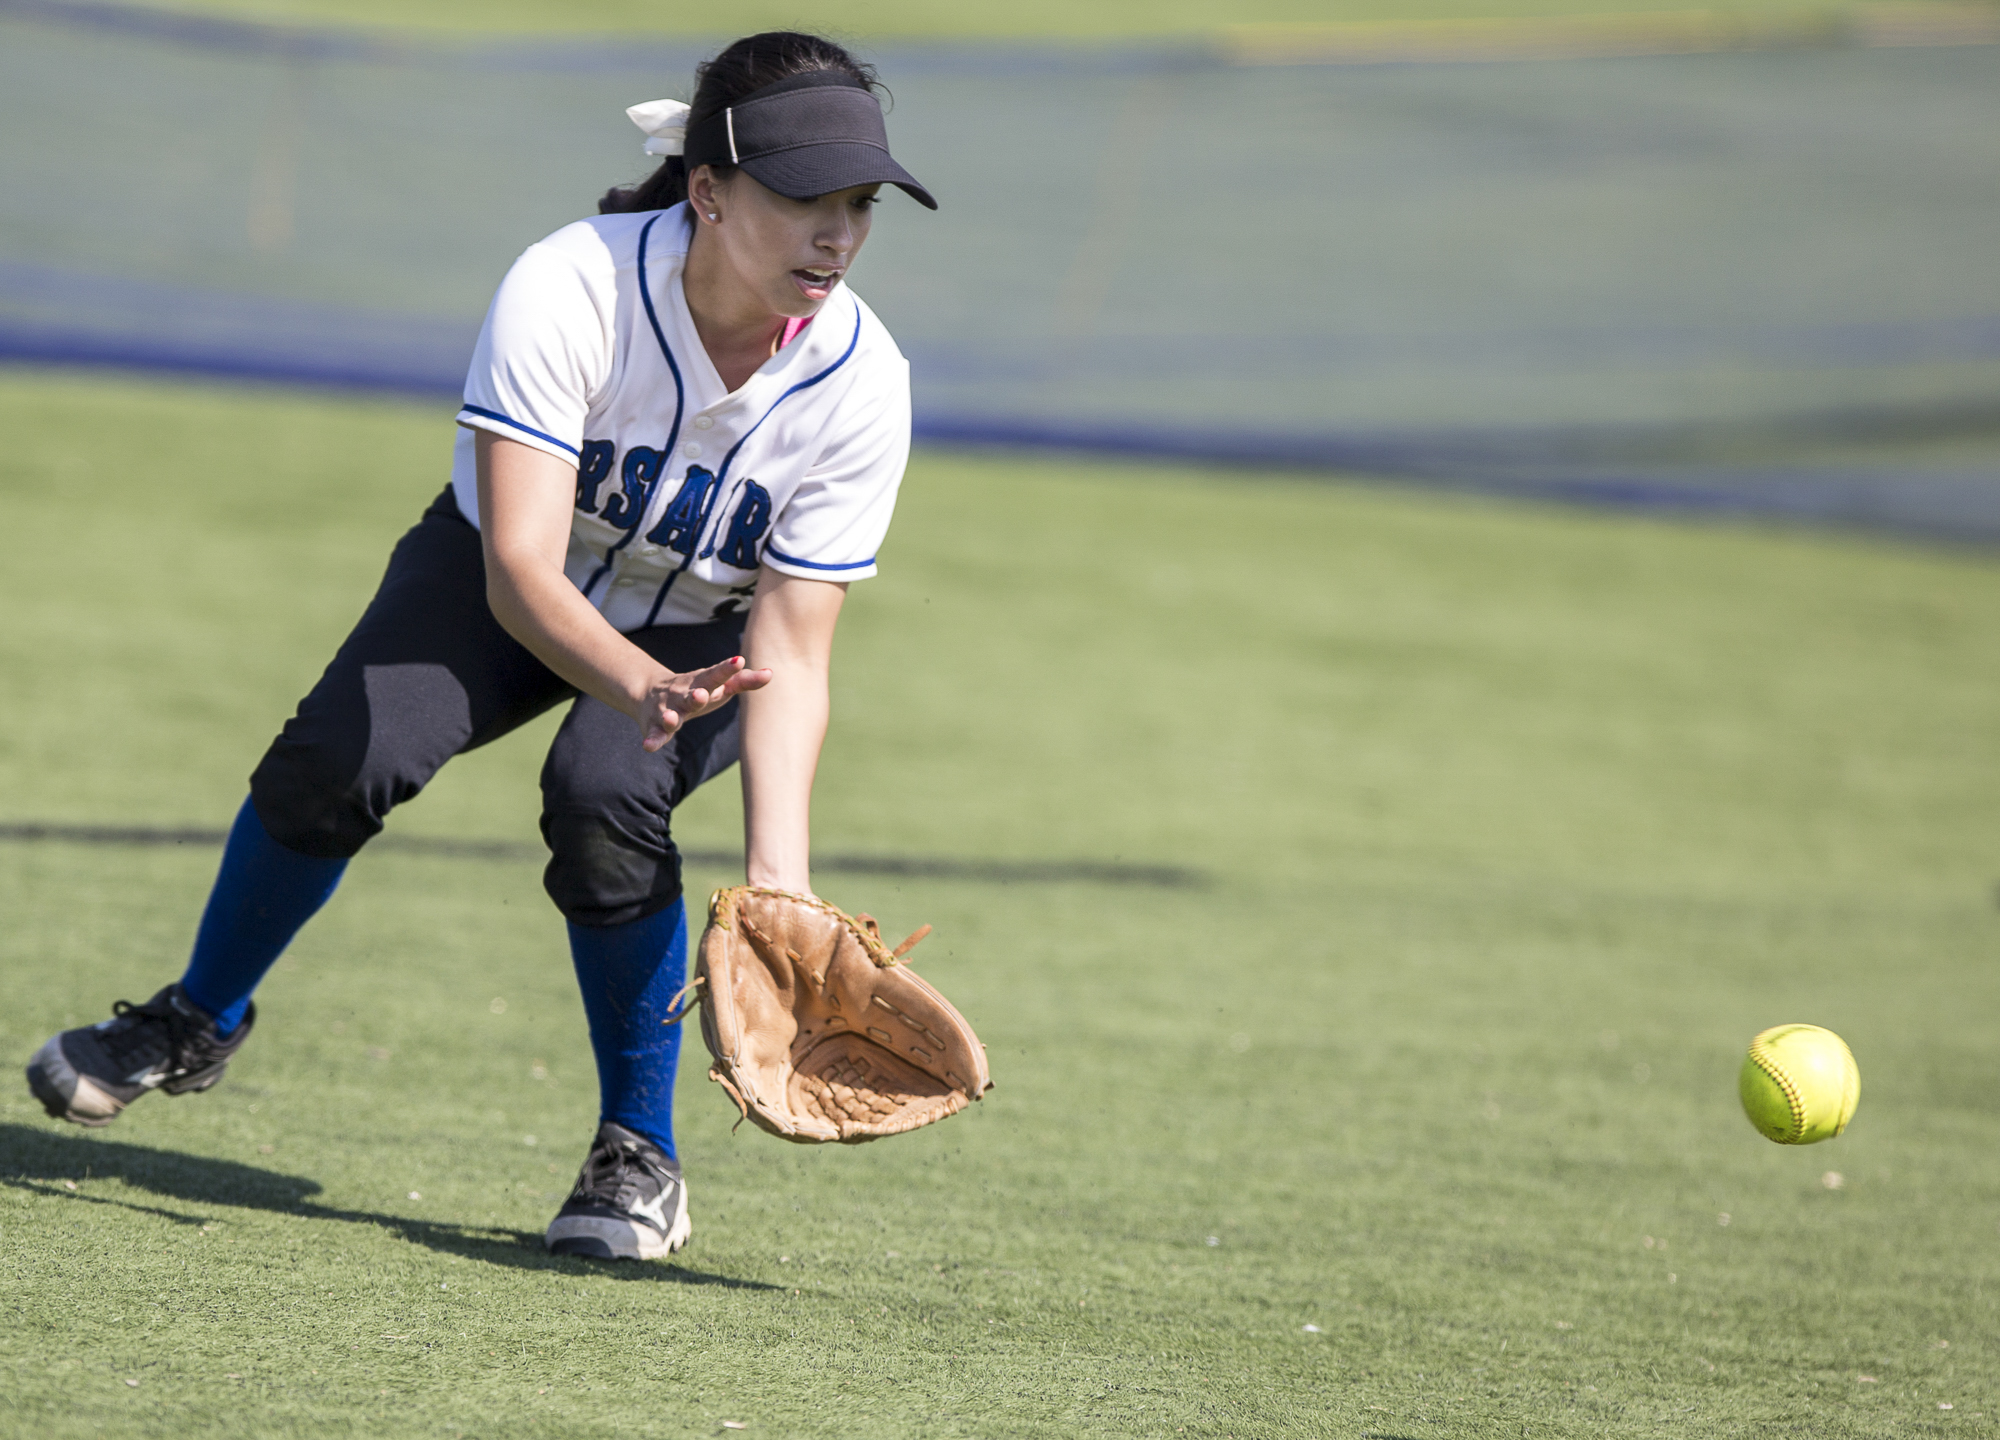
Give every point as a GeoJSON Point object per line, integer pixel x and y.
{"type": "Point", "coordinates": [665, 124]}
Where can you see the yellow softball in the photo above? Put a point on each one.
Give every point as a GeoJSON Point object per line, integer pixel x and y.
{"type": "Point", "coordinates": [1799, 1084]}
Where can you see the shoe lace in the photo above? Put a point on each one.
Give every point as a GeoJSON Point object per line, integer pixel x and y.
{"type": "Point", "coordinates": [614, 1174]}
{"type": "Point", "coordinates": [148, 1032]}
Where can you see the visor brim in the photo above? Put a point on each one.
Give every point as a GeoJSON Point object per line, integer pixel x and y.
{"type": "Point", "coordinates": [807, 171]}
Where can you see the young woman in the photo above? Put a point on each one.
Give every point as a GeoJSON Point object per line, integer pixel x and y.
{"type": "Point", "coordinates": [682, 438]}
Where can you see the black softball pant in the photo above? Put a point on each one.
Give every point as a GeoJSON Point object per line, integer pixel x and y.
{"type": "Point", "coordinates": [428, 674]}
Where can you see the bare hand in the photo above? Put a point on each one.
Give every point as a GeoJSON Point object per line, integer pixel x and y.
{"type": "Point", "coordinates": [676, 699]}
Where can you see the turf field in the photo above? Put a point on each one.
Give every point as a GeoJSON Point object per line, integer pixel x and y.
{"type": "Point", "coordinates": [1093, 19]}
{"type": "Point", "coordinates": [1414, 1118]}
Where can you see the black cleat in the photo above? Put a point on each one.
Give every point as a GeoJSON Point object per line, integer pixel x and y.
{"type": "Point", "coordinates": [629, 1202]}
{"type": "Point", "coordinates": [88, 1076]}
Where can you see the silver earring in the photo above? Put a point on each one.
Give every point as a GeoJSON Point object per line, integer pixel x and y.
{"type": "Point", "coordinates": [711, 215]}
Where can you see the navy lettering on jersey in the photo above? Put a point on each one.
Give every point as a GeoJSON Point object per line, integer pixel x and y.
{"type": "Point", "coordinates": [641, 468]}
{"type": "Point", "coordinates": [746, 527]}
{"type": "Point", "coordinates": [682, 520]}
{"type": "Point", "coordinates": [592, 468]}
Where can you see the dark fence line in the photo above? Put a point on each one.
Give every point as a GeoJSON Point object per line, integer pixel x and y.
{"type": "Point", "coordinates": [924, 867]}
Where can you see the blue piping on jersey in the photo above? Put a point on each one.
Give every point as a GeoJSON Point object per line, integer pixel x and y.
{"type": "Point", "coordinates": [776, 554]}
{"type": "Point", "coordinates": [722, 474]}
{"type": "Point", "coordinates": [673, 435]}
{"type": "Point", "coordinates": [524, 429]}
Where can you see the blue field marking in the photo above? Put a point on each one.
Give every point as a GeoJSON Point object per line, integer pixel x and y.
{"type": "Point", "coordinates": [324, 345]}
{"type": "Point", "coordinates": [30, 344]}
{"type": "Point", "coordinates": [1657, 468]}
{"type": "Point", "coordinates": [1957, 502]}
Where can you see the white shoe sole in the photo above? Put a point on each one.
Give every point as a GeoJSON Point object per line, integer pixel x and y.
{"type": "Point", "coordinates": [611, 1239]}
{"type": "Point", "coordinates": [67, 1095]}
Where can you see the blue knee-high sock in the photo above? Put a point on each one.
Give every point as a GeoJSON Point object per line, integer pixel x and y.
{"type": "Point", "coordinates": [630, 974]}
{"type": "Point", "coordinates": [262, 895]}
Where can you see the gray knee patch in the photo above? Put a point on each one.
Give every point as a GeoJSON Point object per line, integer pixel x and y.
{"type": "Point", "coordinates": [600, 873]}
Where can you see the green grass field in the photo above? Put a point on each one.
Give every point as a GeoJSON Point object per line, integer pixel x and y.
{"type": "Point", "coordinates": [1095, 19]}
{"type": "Point", "coordinates": [1417, 1119]}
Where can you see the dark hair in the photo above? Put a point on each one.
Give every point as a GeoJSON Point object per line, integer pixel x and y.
{"type": "Point", "coordinates": [731, 77]}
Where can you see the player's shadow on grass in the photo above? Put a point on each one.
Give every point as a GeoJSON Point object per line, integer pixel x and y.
{"type": "Point", "coordinates": [48, 1163]}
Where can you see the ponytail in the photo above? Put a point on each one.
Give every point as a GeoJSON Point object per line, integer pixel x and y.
{"type": "Point", "coordinates": [665, 188]}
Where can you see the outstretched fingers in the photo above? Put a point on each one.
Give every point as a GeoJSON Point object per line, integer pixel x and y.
{"type": "Point", "coordinates": [731, 677]}
{"type": "Point", "coordinates": [684, 697]}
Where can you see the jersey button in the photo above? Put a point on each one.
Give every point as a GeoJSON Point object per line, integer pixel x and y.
{"type": "Point", "coordinates": [649, 550]}
{"type": "Point", "coordinates": [626, 582]}
{"type": "Point", "coordinates": [703, 422]}
{"type": "Point", "coordinates": [691, 450]}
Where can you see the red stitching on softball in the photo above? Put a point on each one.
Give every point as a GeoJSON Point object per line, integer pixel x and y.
{"type": "Point", "coordinates": [1761, 1053]}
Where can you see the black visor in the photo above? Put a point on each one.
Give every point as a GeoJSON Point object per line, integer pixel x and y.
{"type": "Point", "coordinates": [806, 135]}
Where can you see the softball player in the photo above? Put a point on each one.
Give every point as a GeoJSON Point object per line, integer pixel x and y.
{"type": "Point", "coordinates": [681, 440]}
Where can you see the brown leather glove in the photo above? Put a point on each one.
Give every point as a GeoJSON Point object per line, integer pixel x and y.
{"type": "Point", "coordinates": [818, 1030]}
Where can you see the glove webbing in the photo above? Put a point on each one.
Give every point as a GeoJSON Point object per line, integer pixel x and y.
{"type": "Point", "coordinates": [864, 927]}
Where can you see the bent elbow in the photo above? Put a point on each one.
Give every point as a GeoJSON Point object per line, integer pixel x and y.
{"type": "Point", "coordinates": [497, 598]}
{"type": "Point", "coordinates": [503, 597]}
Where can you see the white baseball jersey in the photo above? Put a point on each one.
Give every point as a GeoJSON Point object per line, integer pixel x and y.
{"type": "Point", "coordinates": [683, 488]}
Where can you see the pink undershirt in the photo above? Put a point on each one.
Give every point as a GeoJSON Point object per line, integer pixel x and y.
{"type": "Point", "coordinates": [792, 329]}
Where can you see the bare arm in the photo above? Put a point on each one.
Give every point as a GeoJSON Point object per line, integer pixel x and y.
{"type": "Point", "coordinates": [790, 634]}
{"type": "Point", "coordinates": [526, 497]}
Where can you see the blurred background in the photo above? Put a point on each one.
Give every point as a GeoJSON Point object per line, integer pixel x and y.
{"type": "Point", "coordinates": [1729, 260]}
{"type": "Point", "coordinates": [1366, 892]}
